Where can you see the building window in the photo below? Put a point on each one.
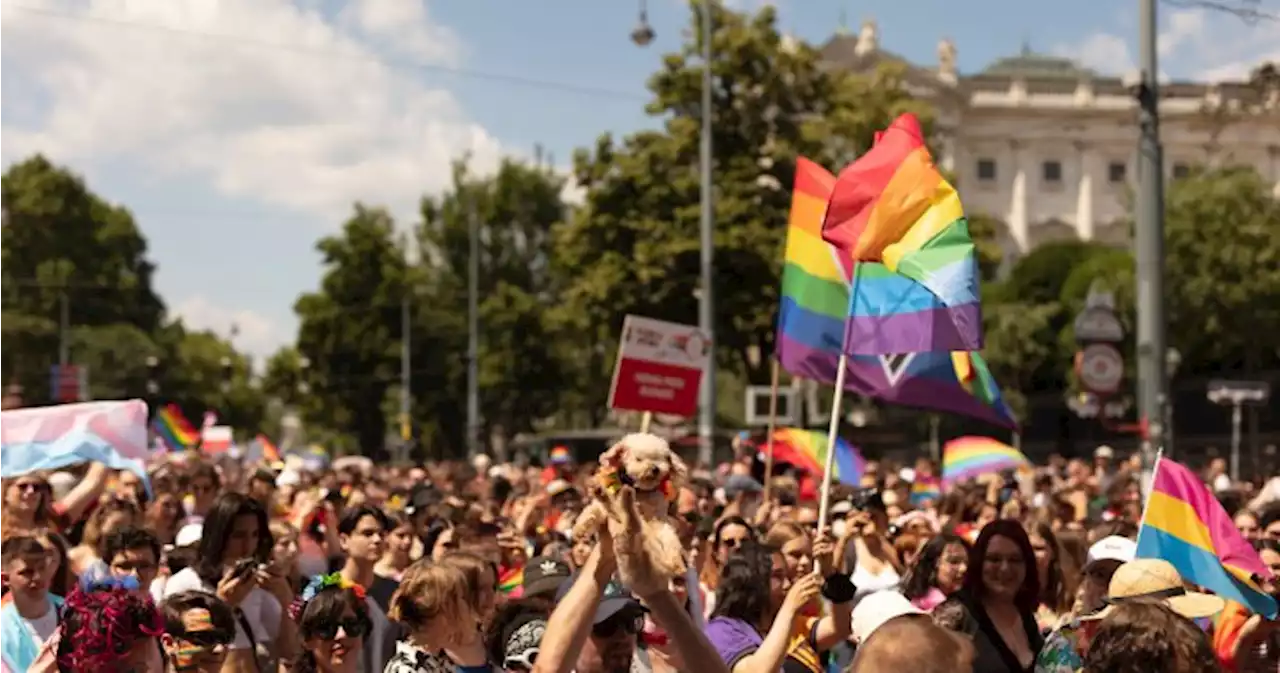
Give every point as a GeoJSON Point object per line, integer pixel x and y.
{"type": "Point", "coordinates": [1180, 171]}
{"type": "Point", "coordinates": [1051, 172]}
{"type": "Point", "coordinates": [986, 170]}
{"type": "Point", "coordinates": [1117, 172]}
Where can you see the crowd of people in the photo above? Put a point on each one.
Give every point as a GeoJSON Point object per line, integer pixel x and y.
{"type": "Point", "coordinates": [215, 565]}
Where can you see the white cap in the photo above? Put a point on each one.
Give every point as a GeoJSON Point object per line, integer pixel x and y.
{"type": "Point", "coordinates": [558, 486]}
{"type": "Point", "coordinates": [189, 535]}
{"type": "Point", "coordinates": [874, 610]}
{"type": "Point", "coordinates": [288, 477]}
{"type": "Point", "coordinates": [841, 507]}
{"type": "Point", "coordinates": [1113, 548]}
{"type": "Point", "coordinates": [1104, 451]}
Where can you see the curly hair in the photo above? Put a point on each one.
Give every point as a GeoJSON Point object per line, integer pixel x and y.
{"type": "Point", "coordinates": [101, 623]}
{"type": "Point", "coordinates": [1147, 636]}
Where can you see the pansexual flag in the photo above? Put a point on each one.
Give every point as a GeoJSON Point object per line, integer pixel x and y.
{"type": "Point", "coordinates": [916, 286]}
{"type": "Point", "coordinates": [1185, 525]}
{"type": "Point", "coordinates": [816, 280]}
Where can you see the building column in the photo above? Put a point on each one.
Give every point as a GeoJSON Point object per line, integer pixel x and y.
{"type": "Point", "coordinates": [1087, 162]}
{"type": "Point", "coordinates": [947, 150]}
{"type": "Point", "coordinates": [1018, 199]}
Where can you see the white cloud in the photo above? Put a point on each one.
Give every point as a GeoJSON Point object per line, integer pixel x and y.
{"type": "Point", "coordinates": [256, 334]}
{"type": "Point", "coordinates": [1196, 43]}
{"type": "Point", "coordinates": [266, 99]}
{"type": "Point", "coordinates": [1102, 52]}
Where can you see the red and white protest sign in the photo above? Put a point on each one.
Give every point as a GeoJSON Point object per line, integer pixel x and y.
{"type": "Point", "coordinates": [659, 368]}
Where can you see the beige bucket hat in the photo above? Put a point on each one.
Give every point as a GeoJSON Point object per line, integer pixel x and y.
{"type": "Point", "coordinates": [1156, 580]}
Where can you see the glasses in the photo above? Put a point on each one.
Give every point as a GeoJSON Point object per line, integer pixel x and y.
{"type": "Point", "coordinates": [631, 624]}
{"type": "Point", "coordinates": [355, 627]}
{"type": "Point", "coordinates": [521, 662]}
{"type": "Point", "coordinates": [732, 542]}
{"type": "Point", "coordinates": [996, 560]}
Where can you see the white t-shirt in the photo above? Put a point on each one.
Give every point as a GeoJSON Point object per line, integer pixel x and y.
{"type": "Point", "coordinates": [42, 627]}
{"type": "Point", "coordinates": [260, 608]}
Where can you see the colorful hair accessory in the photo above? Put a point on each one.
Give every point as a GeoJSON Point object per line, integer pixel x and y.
{"type": "Point", "coordinates": [196, 620]}
{"type": "Point", "coordinates": [320, 583]}
{"type": "Point", "coordinates": [98, 577]}
{"type": "Point", "coordinates": [106, 620]}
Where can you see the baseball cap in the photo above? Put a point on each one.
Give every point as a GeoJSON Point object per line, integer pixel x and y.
{"type": "Point", "coordinates": [874, 610]}
{"type": "Point", "coordinates": [741, 483]}
{"type": "Point", "coordinates": [1104, 451]}
{"type": "Point", "coordinates": [544, 575]}
{"type": "Point", "coordinates": [1111, 548]}
{"type": "Point", "coordinates": [615, 599]}
{"type": "Point", "coordinates": [189, 535]}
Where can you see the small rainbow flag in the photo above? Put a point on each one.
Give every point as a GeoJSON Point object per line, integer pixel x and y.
{"type": "Point", "coordinates": [559, 455]}
{"type": "Point", "coordinates": [807, 450]}
{"type": "Point", "coordinates": [270, 452]}
{"type": "Point", "coordinates": [916, 282]}
{"type": "Point", "coordinates": [511, 581]}
{"type": "Point", "coordinates": [925, 489]}
{"type": "Point", "coordinates": [968, 457]}
{"type": "Point", "coordinates": [1185, 525]}
{"type": "Point", "coordinates": [174, 428]}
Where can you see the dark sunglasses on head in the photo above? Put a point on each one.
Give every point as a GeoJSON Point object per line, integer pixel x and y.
{"type": "Point", "coordinates": [355, 627]}
{"type": "Point", "coordinates": [630, 623]}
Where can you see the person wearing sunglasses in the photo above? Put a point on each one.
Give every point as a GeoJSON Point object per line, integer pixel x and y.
{"type": "Point", "coordinates": [199, 629]}
{"type": "Point", "coordinates": [618, 620]}
{"type": "Point", "coordinates": [332, 622]}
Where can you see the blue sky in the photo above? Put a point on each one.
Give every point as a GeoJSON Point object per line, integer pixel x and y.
{"type": "Point", "coordinates": [239, 131]}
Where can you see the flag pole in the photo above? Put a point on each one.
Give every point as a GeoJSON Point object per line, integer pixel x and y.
{"type": "Point", "coordinates": [824, 504]}
{"type": "Point", "coordinates": [646, 419]}
{"type": "Point", "coordinates": [1149, 486]}
{"type": "Point", "coordinates": [773, 423]}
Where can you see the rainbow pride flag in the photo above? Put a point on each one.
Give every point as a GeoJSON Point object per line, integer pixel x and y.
{"type": "Point", "coordinates": [173, 427]}
{"type": "Point", "coordinates": [816, 280]}
{"type": "Point", "coordinates": [916, 283]}
{"type": "Point", "coordinates": [510, 581]}
{"type": "Point", "coordinates": [970, 457]}
{"type": "Point", "coordinates": [270, 452]}
{"type": "Point", "coordinates": [807, 450]}
{"type": "Point", "coordinates": [924, 489]}
{"type": "Point", "coordinates": [1185, 525]}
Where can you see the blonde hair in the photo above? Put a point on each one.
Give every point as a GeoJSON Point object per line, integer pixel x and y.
{"type": "Point", "coordinates": [93, 528]}
{"type": "Point", "coordinates": [479, 587]}
{"type": "Point", "coordinates": [432, 590]}
{"type": "Point", "coordinates": [784, 532]}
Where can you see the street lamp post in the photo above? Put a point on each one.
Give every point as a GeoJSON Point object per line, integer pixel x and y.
{"type": "Point", "coordinates": [642, 35]}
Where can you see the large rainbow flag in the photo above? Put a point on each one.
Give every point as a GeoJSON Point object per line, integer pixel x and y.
{"type": "Point", "coordinates": [174, 428]}
{"type": "Point", "coordinates": [971, 457]}
{"type": "Point", "coordinates": [1185, 525]}
{"type": "Point", "coordinates": [816, 280]}
{"type": "Point", "coordinates": [916, 283]}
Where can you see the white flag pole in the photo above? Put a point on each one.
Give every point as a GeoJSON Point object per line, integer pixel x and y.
{"type": "Point", "coordinates": [824, 503]}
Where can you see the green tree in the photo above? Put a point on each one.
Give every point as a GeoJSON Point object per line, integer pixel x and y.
{"type": "Point", "coordinates": [1222, 242]}
{"type": "Point", "coordinates": [350, 327]}
{"type": "Point", "coordinates": [63, 243]}
{"type": "Point", "coordinates": [634, 246]}
{"type": "Point", "coordinates": [522, 356]}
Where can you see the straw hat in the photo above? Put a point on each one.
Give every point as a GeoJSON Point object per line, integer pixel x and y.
{"type": "Point", "coordinates": [1156, 580]}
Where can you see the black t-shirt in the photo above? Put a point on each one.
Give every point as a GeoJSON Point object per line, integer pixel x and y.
{"type": "Point", "coordinates": [381, 591]}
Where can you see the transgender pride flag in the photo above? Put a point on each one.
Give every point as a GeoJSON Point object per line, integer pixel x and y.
{"type": "Point", "coordinates": [48, 438]}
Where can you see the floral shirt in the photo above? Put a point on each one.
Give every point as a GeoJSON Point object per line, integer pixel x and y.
{"type": "Point", "coordinates": [1064, 649]}
{"type": "Point", "coordinates": [410, 659]}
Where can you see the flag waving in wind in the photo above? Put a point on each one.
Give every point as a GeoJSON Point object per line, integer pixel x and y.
{"type": "Point", "coordinates": [916, 282]}
{"type": "Point", "coordinates": [1185, 525]}
{"type": "Point", "coordinates": [816, 284]}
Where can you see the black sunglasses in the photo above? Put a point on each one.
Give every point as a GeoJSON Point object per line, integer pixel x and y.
{"type": "Point", "coordinates": [631, 623]}
{"type": "Point", "coordinates": [355, 627]}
